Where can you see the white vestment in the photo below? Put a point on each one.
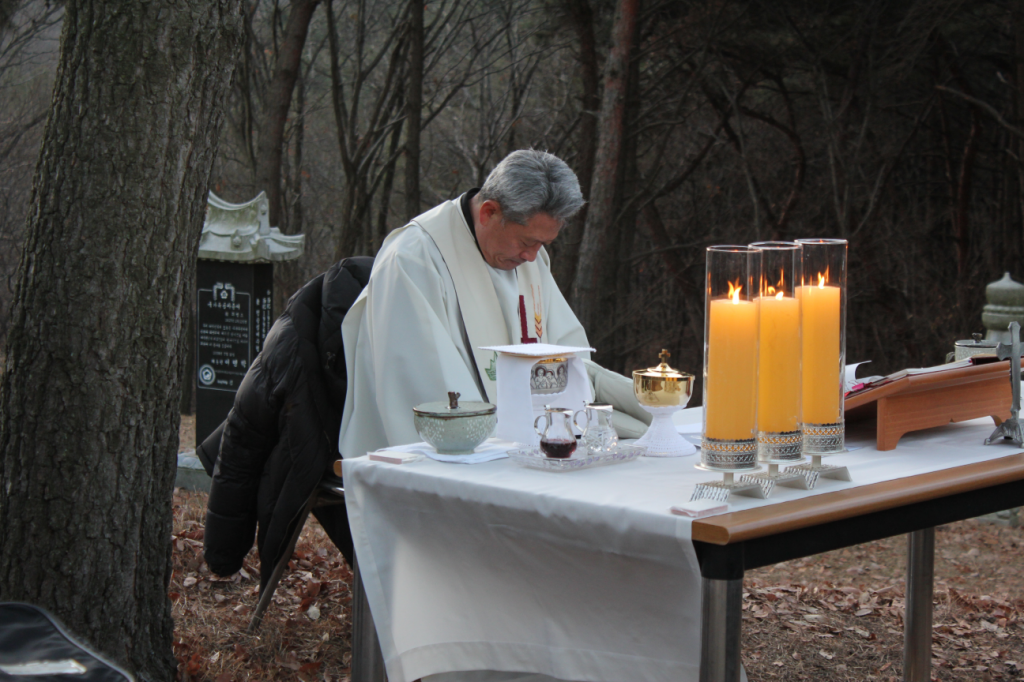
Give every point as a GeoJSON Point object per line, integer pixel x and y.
{"type": "Point", "coordinates": [408, 342]}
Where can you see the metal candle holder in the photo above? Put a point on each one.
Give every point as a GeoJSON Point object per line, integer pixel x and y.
{"type": "Point", "coordinates": [779, 437]}
{"type": "Point", "coordinates": [823, 342]}
{"type": "Point", "coordinates": [728, 442]}
{"type": "Point", "coordinates": [721, 490]}
{"type": "Point", "coordinates": [773, 477]}
{"type": "Point", "coordinates": [793, 476]}
{"type": "Point", "coordinates": [814, 470]}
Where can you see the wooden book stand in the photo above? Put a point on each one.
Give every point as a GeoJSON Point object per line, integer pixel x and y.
{"type": "Point", "coordinates": [922, 401]}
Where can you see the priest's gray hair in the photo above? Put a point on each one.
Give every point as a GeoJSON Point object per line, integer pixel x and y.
{"type": "Point", "coordinates": [528, 182]}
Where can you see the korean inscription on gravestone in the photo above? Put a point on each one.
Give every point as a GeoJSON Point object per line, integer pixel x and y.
{"type": "Point", "coordinates": [225, 330]}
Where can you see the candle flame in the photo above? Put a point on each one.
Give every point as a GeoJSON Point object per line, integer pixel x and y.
{"type": "Point", "coordinates": [777, 291]}
{"type": "Point", "coordinates": [734, 292]}
{"type": "Point", "coordinates": [822, 279]}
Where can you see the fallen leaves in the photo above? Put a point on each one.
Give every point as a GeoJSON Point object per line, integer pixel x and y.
{"type": "Point", "coordinates": [792, 609]}
{"type": "Point", "coordinates": [304, 634]}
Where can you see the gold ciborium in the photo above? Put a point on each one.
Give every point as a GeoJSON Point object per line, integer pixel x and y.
{"type": "Point", "coordinates": [663, 391]}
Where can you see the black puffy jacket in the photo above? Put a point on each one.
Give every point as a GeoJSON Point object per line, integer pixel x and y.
{"type": "Point", "coordinates": [281, 436]}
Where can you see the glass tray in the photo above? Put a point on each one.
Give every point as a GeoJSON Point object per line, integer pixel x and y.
{"type": "Point", "coordinates": [535, 459]}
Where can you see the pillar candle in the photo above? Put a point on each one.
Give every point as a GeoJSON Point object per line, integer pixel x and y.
{"type": "Point", "coordinates": [821, 388]}
{"type": "Point", "coordinates": [731, 408]}
{"type": "Point", "coordinates": [778, 399]}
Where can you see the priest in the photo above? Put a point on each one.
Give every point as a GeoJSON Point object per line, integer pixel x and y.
{"type": "Point", "coordinates": [469, 273]}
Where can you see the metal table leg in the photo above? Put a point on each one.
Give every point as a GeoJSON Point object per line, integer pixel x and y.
{"type": "Point", "coordinates": [721, 615]}
{"type": "Point", "coordinates": [367, 660]}
{"type": "Point", "coordinates": [917, 633]}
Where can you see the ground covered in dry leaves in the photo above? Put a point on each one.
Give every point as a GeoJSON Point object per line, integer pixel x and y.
{"type": "Point", "coordinates": [836, 617]}
{"type": "Point", "coordinates": [839, 616]}
{"type": "Point", "coordinates": [305, 632]}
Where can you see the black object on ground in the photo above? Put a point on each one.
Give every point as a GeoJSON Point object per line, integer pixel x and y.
{"type": "Point", "coordinates": [32, 641]}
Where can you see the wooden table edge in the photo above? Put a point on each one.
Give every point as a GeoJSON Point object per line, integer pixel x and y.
{"type": "Point", "coordinates": [749, 524]}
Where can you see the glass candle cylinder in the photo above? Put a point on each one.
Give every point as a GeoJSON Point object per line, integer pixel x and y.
{"type": "Point", "coordinates": [779, 438]}
{"type": "Point", "coordinates": [822, 296]}
{"type": "Point", "coordinates": [729, 441]}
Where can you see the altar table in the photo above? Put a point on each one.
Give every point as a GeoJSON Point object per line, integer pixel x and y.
{"type": "Point", "coordinates": [586, 575]}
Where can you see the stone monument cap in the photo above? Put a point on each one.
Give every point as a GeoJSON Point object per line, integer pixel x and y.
{"type": "Point", "coordinates": [1005, 305]}
{"type": "Point", "coordinates": [242, 233]}
{"type": "Point", "coordinates": [1005, 291]}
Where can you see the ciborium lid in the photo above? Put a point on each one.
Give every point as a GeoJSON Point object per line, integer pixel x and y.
{"type": "Point", "coordinates": [662, 371]}
{"type": "Point", "coordinates": [662, 386]}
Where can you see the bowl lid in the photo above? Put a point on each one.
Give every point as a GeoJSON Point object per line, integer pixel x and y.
{"type": "Point", "coordinates": [662, 371]}
{"type": "Point", "coordinates": [975, 342]}
{"type": "Point", "coordinates": [453, 408]}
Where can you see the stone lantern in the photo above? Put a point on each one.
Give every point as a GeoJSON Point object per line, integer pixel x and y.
{"type": "Point", "coordinates": [234, 298]}
{"type": "Point", "coordinates": [1005, 304]}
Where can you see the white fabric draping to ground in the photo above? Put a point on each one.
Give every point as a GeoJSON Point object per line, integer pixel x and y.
{"type": "Point", "coordinates": [582, 575]}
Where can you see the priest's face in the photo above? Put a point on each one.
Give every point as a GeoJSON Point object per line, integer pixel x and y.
{"type": "Point", "coordinates": [506, 245]}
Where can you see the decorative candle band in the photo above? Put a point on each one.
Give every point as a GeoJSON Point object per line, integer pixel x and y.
{"type": "Point", "coordinates": [780, 447]}
{"type": "Point", "coordinates": [824, 439]}
{"type": "Point", "coordinates": [728, 455]}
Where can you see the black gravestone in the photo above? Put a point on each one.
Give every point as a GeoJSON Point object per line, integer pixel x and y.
{"type": "Point", "coordinates": [233, 316]}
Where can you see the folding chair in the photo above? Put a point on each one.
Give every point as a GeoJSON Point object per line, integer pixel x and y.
{"type": "Point", "coordinates": [367, 660]}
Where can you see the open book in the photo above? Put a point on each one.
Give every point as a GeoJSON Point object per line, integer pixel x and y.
{"type": "Point", "coordinates": [922, 398]}
{"type": "Point", "coordinates": [859, 385]}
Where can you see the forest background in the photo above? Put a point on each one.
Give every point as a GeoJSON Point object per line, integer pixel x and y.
{"type": "Point", "coordinates": [897, 126]}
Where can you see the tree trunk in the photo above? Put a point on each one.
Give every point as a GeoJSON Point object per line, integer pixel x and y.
{"type": "Point", "coordinates": [564, 267]}
{"type": "Point", "coordinates": [89, 400]}
{"type": "Point", "coordinates": [187, 372]}
{"type": "Point", "coordinates": [962, 205]}
{"type": "Point", "coordinates": [670, 253]}
{"type": "Point", "coordinates": [1017, 14]}
{"type": "Point", "coordinates": [296, 213]}
{"type": "Point", "coordinates": [597, 231]}
{"type": "Point", "coordinates": [289, 276]}
{"type": "Point", "coordinates": [413, 110]}
{"type": "Point", "coordinates": [385, 193]}
{"type": "Point", "coordinates": [286, 72]}
{"type": "Point", "coordinates": [621, 283]}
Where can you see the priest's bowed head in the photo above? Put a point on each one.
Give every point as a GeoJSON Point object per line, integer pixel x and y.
{"type": "Point", "coordinates": [469, 273]}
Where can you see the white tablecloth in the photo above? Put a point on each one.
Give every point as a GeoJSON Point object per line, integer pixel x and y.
{"type": "Point", "coordinates": [581, 575]}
